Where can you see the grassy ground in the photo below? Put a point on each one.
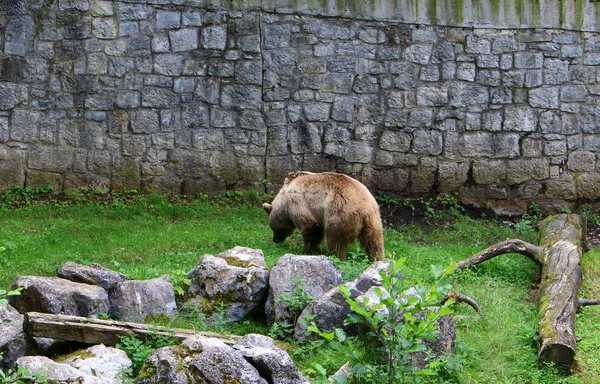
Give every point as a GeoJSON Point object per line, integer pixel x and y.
{"type": "Point", "coordinates": [146, 237]}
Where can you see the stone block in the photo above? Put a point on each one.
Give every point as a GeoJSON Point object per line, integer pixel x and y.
{"type": "Point", "coordinates": [144, 121]}
{"type": "Point", "coordinates": [581, 161]}
{"type": "Point", "coordinates": [427, 142]}
{"type": "Point", "coordinates": [184, 39]}
{"type": "Point", "coordinates": [523, 170]}
{"type": "Point", "coordinates": [544, 97]}
{"type": "Point", "coordinates": [453, 173]}
{"type": "Point", "coordinates": [395, 141]}
{"type": "Point", "coordinates": [214, 37]}
{"type": "Point", "coordinates": [519, 119]}
{"type": "Point", "coordinates": [489, 171]}
{"type": "Point", "coordinates": [588, 186]}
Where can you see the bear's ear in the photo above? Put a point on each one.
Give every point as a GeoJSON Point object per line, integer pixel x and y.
{"type": "Point", "coordinates": [267, 207]}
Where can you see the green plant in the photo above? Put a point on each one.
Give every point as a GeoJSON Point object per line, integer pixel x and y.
{"type": "Point", "coordinates": [400, 319]}
{"type": "Point", "coordinates": [138, 349]}
{"type": "Point", "coordinates": [4, 294]}
{"type": "Point", "coordinates": [281, 331]}
{"type": "Point", "coordinates": [295, 302]}
{"type": "Point", "coordinates": [180, 283]}
{"type": "Point", "coordinates": [590, 216]}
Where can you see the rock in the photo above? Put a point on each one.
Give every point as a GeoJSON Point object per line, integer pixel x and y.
{"type": "Point", "coordinates": [59, 296]}
{"type": "Point", "coordinates": [244, 257]}
{"type": "Point", "coordinates": [14, 342]}
{"type": "Point", "coordinates": [317, 273]}
{"type": "Point", "coordinates": [55, 372]}
{"type": "Point", "coordinates": [237, 278]}
{"type": "Point", "coordinates": [273, 363]}
{"type": "Point", "coordinates": [135, 300]}
{"type": "Point", "coordinates": [94, 274]}
{"type": "Point", "coordinates": [199, 359]}
{"type": "Point", "coordinates": [100, 361]}
{"type": "Point", "coordinates": [331, 309]}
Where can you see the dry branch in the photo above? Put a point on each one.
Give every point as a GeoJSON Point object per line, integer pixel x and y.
{"type": "Point", "coordinates": [94, 331]}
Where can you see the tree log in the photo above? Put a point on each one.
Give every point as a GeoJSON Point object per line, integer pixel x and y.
{"type": "Point", "coordinates": [561, 245]}
{"type": "Point", "coordinates": [561, 240]}
{"type": "Point", "coordinates": [94, 331]}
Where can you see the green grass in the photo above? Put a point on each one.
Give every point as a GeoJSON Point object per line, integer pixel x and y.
{"type": "Point", "coordinates": [146, 237]}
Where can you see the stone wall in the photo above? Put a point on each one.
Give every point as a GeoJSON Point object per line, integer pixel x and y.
{"type": "Point", "coordinates": [180, 98]}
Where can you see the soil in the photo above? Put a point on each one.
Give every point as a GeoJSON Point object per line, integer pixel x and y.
{"type": "Point", "coordinates": [394, 215]}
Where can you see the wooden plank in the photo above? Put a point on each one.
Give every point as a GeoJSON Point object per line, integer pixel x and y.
{"type": "Point", "coordinates": [97, 331]}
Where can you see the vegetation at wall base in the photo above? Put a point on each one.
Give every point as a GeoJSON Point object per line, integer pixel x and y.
{"type": "Point", "coordinates": [147, 236]}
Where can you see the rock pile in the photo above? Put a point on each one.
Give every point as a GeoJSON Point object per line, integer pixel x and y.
{"type": "Point", "coordinates": [237, 280]}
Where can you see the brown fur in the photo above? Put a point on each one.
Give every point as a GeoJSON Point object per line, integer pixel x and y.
{"type": "Point", "coordinates": [330, 205]}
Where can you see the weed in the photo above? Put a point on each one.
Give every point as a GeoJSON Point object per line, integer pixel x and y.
{"type": "Point", "coordinates": [180, 283]}
{"type": "Point", "coordinates": [590, 216]}
{"type": "Point", "coordinates": [138, 349]}
{"type": "Point", "coordinates": [294, 302]}
{"type": "Point", "coordinates": [281, 331]}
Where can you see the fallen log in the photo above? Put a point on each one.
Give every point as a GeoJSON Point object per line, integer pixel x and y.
{"type": "Point", "coordinates": [561, 244]}
{"type": "Point", "coordinates": [95, 331]}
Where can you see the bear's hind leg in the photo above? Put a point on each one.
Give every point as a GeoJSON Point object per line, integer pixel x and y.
{"type": "Point", "coordinates": [338, 245]}
{"type": "Point", "coordinates": [372, 242]}
{"type": "Point", "coordinates": [312, 236]}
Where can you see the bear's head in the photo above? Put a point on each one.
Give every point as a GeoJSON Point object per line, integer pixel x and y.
{"type": "Point", "coordinates": [280, 232]}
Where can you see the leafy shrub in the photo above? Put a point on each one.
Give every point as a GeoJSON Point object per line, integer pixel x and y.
{"type": "Point", "coordinates": [401, 318]}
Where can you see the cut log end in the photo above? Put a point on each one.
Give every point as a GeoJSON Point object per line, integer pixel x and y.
{"type": "Point", "coordinates": [561, 355]}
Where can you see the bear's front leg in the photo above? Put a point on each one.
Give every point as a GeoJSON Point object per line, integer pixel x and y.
{"type": "Point", "coordinates": [312, 236]}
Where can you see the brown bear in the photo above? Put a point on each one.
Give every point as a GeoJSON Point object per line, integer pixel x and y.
{"type": "Point", "coordinates": [327, 204]}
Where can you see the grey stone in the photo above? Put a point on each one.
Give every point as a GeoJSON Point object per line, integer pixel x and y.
{"type": "Point", "coordinates": [427, 142]}
{"type": "Point", "coordinates": [168, 64]}
{"type": "Point", "coordinates": [55, 372]}
{"type": "Point", "coordinates": [556, 71]}
{"type": "Point", "coordinates": [136, 300]}
{"type": "Point", "coordinates": [14, 342]}
{"type": "Point", "coordinates": [59, 296]}
{"type": "Point", "coordinates": [214, 37]}
{"type": "Point", "coordinates": [194, 115]}
{"type": "Point", "coordinates": [243, 97]}
{"type": "Point", "coordinates": [529, 60]}
{"type": "Point", "coordinates": [467, 94]}
{"type": "Point", "coordinates": [184, 39]}
{"type": "Point", "coordinates": [519, 119]}
{"type": "Point", "coordinates": [432, 95]}
{"type": "Point", "coordinates": [94, 274]}
{"type": "Point", "coordinates": [273, 362]}
{"type": "Point", "coordinates": [168, 19]}
{"type": "Point", "coordinates": [522, 170]}
{"type": "Point", "coordinates": [573, 93]}
{"type": "Point", "coordinates": [234, 279]}
{"type": "Point", "coordinates": [249, 72]}
{"type": "Point", "coordinates": [145, 121]}
{"type": "Point", "coordinates": [588, 186]}
{"type": "Point", "coordinates": [453, 173]}
{"type": "Point", "coordinates": [317, 274]}
{"type": "Point", "coordinates": [489, 171]}
{"type": "Point", "coordinates": [194, 361]}
{"type": "Point", "coordinates": [544, 97]}
{"type": "Point", "coordinates": [395, 141]}
{"type": "Point", "coordinates": [12, 95]}
{"type": "Point", "coordinates": [329, 310]}
{"type": "Point", "coordinates": [581, 161]}
{"type": "Point", "coordinates": [418, 53]}
{"type": "Point", "coordinates": [159, 98]}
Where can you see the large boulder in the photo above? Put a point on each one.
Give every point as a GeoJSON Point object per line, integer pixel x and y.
{"type": "Point", "coordinates": [317, 274]}
{"type": "Point", "coordinates": [14, 342]}
{"type": "Point", "coordinates": [59, 296]}
{"type": "Point", "coordinates": [135, 300]}
{"type": "Point", "coordinates": [273, 363]}
{"type": "Point", "coordinates": [331, 309]}
{"type": "Point", "coordinates": [236, 279]}
{"type": "Point", "coordinates": [199, 359]}
{"type": "Point", "coordinates": [94, 274]}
